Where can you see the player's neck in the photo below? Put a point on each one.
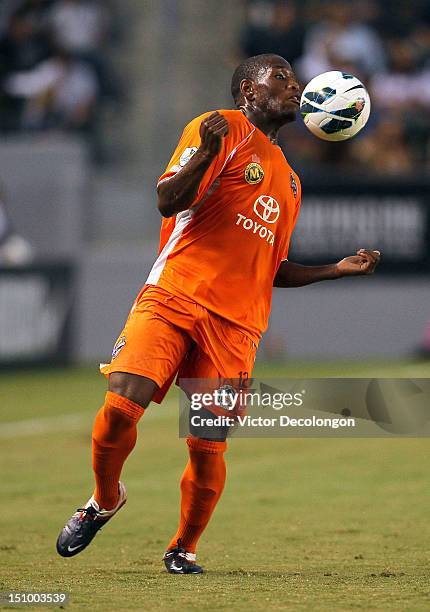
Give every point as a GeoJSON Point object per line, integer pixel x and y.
{"type": "Point", "coordinates": [269, 127]}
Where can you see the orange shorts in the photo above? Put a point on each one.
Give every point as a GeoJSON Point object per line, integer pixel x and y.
{"type": "Point", "coordinates": [166, 335]}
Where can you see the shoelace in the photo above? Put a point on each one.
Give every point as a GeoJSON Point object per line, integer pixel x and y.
{"type": "Point", "coordinates": [182, 552]}
{"type": "Point", "coordinates": [91, 511]}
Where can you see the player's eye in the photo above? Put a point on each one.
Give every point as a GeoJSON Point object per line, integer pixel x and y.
{"type": "Point", "coordinates": [280, 76]}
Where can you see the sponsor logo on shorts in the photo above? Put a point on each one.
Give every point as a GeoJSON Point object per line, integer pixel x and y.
{"type": "Point", "coordinates": [187, 155]}
{"type": "Point", "coordinates": [254, 173]}
{"type": "Point", "coordinates": [118, 346]}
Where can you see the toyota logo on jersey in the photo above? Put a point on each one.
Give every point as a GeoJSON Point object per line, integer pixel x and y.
{"type": "Point", "coordinates": [267, 208]}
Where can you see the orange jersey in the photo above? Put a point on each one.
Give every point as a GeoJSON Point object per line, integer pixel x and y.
{"type": "Point", "coordinates": [224, 251]}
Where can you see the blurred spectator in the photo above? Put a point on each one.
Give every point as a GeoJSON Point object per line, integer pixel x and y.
{"type": "Point", "coordinates": [402, 92]}
{"type": "Point", "coordinates": [395, 22]}
{"type": "Point", "coordinates": [420, 38]}
{"type": "Point", "coordinates": [14, 249]}
{"type": "Point", "coordinates": [342, 36]}
{"type": "Point", "coordinates": [385, 150]}
{"type": "Point", "coordinates": [23, 45]}
{"type": "Point", "coordinates": [273, 27]}
{"type": "Point", "coordinates": [54, 69]}
{"type": "Point", "coordinates": [61, 92]}
{"type": "Point", "coordinates": [21, 48]}
{"type": "Point", "coordinates": [37, 11]}
{"type": "Point", "coordinates": [404, 85]}
{"type": "Point", "coordinates": [7, 8]}
{"type": "Point", "coordinates": [81, 27]}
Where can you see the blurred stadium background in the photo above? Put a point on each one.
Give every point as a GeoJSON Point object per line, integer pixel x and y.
{"type": "Point", "coordinates": [93, 96]}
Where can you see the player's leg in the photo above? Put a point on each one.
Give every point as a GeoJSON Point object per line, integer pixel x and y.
{"type": "Point", "coordinates": [202, 484]}
{"type": "Point", "coordinates": [202, 481]}
{"type": "Point", "coordinates": [145, 357]}
{"type": "Point", "coordinates": [114, 437]}
{"type": "Point", "coordinates": [115, 432]}
{"type": "Point", "coordinates": [226, 353]}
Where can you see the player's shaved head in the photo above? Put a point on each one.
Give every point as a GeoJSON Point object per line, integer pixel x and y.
{"type": "Point", "coordinates": [251, 69]}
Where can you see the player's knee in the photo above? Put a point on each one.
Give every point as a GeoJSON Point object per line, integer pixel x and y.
{"type": "Point", "coordinates": [117, 420]}
{"type": "Point", "coordinates": [138, 389]}
{"type": "Point", "coordinates": [112, 426]}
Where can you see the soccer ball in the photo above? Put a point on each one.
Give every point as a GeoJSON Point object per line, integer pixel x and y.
{"type": "Point", "coordinates": [335, 105]}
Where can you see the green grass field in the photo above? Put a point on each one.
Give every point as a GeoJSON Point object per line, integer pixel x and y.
{"type": "Point", "coordinates": [316, 524]}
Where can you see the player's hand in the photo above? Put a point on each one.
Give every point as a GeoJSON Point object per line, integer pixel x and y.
{"type": "Point", "coordinates": [212, 131]}
{"type": "Point", "coordinates": [364, 262]}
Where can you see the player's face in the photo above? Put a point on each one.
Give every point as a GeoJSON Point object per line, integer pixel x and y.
{"type": "Point", "coordinates": [277, 91]}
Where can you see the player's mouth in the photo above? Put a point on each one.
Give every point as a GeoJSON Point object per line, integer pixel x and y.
{"type": "Point", "coordinates": [295, 100]}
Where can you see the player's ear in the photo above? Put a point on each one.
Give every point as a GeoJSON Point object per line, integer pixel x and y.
{"type": "Point", "coordinates": [247, 89]}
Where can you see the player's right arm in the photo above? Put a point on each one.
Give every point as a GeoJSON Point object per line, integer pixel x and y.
{"type": "Point", "coordinates": [179, 192]}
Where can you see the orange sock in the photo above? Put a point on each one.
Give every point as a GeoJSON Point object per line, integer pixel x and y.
{"type": "Point", "coordinates": [114, 437]}
{"type": "Point", "coordinates": [201, 486]}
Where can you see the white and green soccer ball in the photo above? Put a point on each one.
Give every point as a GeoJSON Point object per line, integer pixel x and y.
{"type": "Point", "coordinates": [335, 105]}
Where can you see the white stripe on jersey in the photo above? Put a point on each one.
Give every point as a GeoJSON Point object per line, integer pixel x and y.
{"type": "Point", "coordinates": [182, 220]}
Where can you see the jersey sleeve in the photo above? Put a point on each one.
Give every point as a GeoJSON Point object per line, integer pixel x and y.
{"type": "Point", "coordinates": [296, 214]}
{"type": "Point", "coordinates": [190, 142]}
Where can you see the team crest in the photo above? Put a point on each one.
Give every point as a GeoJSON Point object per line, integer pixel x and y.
{"type": "Point", "coordinates": [293, 185]}
{"type": "Point", "coordinates": [118, 346]}
{"type": "Point", "coordinates": [187, 155]}
{"type": "Point", "coordinates": [254, 173]}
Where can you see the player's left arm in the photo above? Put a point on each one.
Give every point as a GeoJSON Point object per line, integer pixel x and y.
{"type": "Point", "coordinates": [291, 274]}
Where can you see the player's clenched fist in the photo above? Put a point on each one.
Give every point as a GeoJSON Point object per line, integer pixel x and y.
{"type": "Point", "coordinates": [212, 130]}
{"type": "Point", "coordinates": [364, 262]}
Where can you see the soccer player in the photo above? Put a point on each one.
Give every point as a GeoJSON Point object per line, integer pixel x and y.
{"type": "Point", "coordinates": [230, 201]}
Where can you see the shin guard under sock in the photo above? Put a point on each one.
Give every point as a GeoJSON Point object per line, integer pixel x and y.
{"type": "Point", "coordinates": [114, 437]}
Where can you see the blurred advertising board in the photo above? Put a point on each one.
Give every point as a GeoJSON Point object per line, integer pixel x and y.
{"type": "Point", "coordinates": [392, 217]}
{"type": "Point", "coordinates": [36, 307]}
